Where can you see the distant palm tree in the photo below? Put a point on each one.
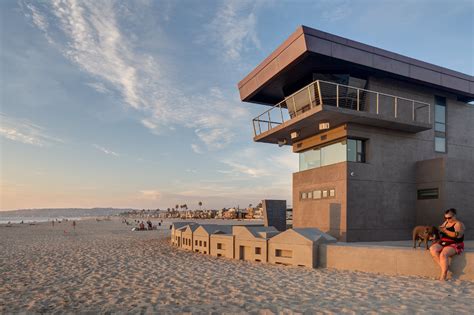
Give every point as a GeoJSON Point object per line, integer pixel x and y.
{"type": "Point", "coordinates": [200, 204]}
{"type": "Point", "coordinates": [176, 207]}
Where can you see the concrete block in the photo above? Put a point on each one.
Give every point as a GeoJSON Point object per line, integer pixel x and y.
{"type": "Point", "coordinates": [274, 213]}
{"type": "Point", "coordinates": [391, 260]}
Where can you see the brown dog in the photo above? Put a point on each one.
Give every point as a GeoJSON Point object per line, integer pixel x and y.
{"type": "Point", "coordinates": [425, 233]}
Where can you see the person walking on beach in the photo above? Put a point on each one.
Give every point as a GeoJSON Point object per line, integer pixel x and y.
{"type": "Point", "coordinates": [451, 242]}
{"type": "Point", "coordinates": [74, 225]}
{"type": "Point", "coordinates": [52, 222]}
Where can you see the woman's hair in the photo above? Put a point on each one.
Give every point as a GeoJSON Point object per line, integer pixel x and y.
{"type": "Point", "coordinates": [452, 210]}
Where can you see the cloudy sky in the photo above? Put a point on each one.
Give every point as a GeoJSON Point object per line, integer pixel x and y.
{"type": "Point", "coordinates": [135, 104]}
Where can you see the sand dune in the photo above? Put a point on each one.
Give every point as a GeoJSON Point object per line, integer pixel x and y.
{"type": "Point", "coordinates": [104, 267]}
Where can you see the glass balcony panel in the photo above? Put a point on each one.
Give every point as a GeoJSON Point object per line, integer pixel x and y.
{"type": "Point", "coordinates": [302, 102]}
{"type": "Point", "coordinates": [329, 93]}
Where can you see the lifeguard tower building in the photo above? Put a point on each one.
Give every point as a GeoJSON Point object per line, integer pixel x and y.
{"type": "Point", "coordinates": [385, 142]}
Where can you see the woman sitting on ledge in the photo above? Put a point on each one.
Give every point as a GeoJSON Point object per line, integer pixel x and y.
{"type": "Point", "coordinates": [451, 242]}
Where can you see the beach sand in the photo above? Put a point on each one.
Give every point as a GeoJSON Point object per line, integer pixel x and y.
{"type": "Point", "coordinates": [105, 267]}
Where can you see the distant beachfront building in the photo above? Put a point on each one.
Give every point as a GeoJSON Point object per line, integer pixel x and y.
{"type": "Point", "coordinates": [385, 142]}
{"type": "Point", "coordinates": [230, 214]}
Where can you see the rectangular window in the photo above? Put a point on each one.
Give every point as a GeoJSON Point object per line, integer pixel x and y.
{"type": "Point", "coordinates": [356, 150]}
{"type": "Point", "coordinates": [200, 243]}
{"type": "Point", "coordinates": [258, 251]}
{"type": "Point", "coordinates": [310, 159]}
{"type": "Point", "coordinates": [304, 195]}
{"type": "Point", "coordinates": [347, 150]}
{"type": "Point", "coordinates": [332, 193]}
{"type": "Point", "coordinates": [440, 144]}
{"type": "Point", "coordinates": [205, 243]}
{"type": "Point", "coordinates": [219, 246]}
{"type": "Point", "coordinates": [430, 193]}
{"type": "Point", "coordinates": [333, 153]}
{"type": "Point", "coordinates": [317, 194]}
{"type": "Point", "coordinates": [440, 112]}
{"type": "Point", "coordinates": [310, 195]}
{"type": "Point", "coordinates": [440, 127]}
{"type": "Point", "coordinates": [283, 253]}
{"type": "Point", "coordinates": [440, 124]}
{"type": "Point", "coordinates": [196, 243]}
{"type": "Point", "coordinates": [325, 193]}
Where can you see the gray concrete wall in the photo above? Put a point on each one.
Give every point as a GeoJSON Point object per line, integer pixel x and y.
{"type": "Point", "coordinates": [431, 174]}
{"type": "Point", "coordinates": [274, 213]}
{"type": "Point", "coordinates": [460, 191]}
{"type": "Point", "coordinates": [391, 261]}
{"type": "Point", "coordinates": [381, 193]}
{"type": "Point", "coordinates": [381, 199]}
{"type": "Point", "coordinates": [328, 215]}
{"type": "Point", "coordinates": [388, 180]}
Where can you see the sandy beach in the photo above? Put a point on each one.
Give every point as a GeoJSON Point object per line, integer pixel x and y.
{"type": "Point", "coordinates": [105, 267]}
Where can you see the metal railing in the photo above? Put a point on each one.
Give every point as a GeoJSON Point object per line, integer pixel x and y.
{"type": "Point", "coordinates": [342, 96]}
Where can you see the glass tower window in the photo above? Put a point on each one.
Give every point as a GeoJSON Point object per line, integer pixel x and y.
{"type": "Point", "coordinates": [356, 150]}
{"type": "Point", "coordinates": [440, 144]}
{"type": "Point", "coordinates": [351, 150]}
{"type": "Point", "coordinates": [334, 153]}
{"type": "Point", "coordinates": [440, 124]}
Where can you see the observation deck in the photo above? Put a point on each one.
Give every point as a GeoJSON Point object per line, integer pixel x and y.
{"type": "Point", "coordinates": [327, 104]}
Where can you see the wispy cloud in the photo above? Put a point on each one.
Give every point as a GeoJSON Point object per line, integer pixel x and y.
{"type": "Point", "coordinates": [234, 28]}
{"type": "Point", "coordinates": [23, 130]}
{"type": "Point", "coordinates": [98, 86]}
{"type": "Point", "coordinates": [104, 150]}
{"type": "Point", "coordinates": [89, 33]}
{"type": "Point", "coordinates": [196, 148]}
{"type": "Point", "coordinates": [253, 163]}
{"type": "Point", "coordinates": [238, 169]}
{"type": "Point", "coordinates": [334, 10]}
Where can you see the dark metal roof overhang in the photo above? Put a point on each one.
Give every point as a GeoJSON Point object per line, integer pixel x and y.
{"type": "Point", "coordinates": [308, 50]}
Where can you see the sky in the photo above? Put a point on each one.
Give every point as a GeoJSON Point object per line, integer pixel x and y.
{"type": "Point", "coordinates": [135, 103]}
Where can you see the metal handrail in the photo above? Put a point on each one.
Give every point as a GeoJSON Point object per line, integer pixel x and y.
{"type": "Point", "coordinates": [316, 93]}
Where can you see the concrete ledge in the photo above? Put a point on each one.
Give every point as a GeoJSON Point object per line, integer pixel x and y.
{"type": "Point", "coordinates": [391, 260]}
